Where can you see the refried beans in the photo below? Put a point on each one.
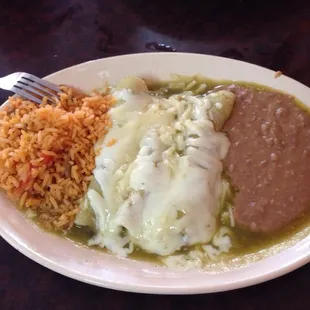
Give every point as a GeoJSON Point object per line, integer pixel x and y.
{"type": "Point", "coordinates": [269, 158]}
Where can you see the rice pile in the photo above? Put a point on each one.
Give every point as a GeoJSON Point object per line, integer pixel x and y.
{"type": "Point", "coordinates": [47, 153]}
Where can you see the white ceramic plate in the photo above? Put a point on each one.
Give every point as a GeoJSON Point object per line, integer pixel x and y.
{"type": "Point", "coordinates": [101, 269]}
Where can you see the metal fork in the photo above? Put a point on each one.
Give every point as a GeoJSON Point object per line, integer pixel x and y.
{"type": "Point", "coordinates": [29, 87]}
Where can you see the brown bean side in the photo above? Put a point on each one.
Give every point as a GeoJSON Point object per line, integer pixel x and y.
{"type": "Point", "coordinates": [269, 159]}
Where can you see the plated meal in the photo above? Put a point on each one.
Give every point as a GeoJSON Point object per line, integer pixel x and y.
{"type": "Point", "coordinates": [185, 173]}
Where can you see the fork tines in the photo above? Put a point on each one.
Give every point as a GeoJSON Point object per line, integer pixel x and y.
{"type": "Point", "coordinates": [35, 89]}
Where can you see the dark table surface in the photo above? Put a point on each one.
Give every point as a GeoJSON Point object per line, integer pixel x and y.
{"type": "Point", "coordinates": [41, 37]}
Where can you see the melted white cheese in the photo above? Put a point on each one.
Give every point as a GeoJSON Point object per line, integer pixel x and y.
{"type": "Point", "coordinates": [161, 181]}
